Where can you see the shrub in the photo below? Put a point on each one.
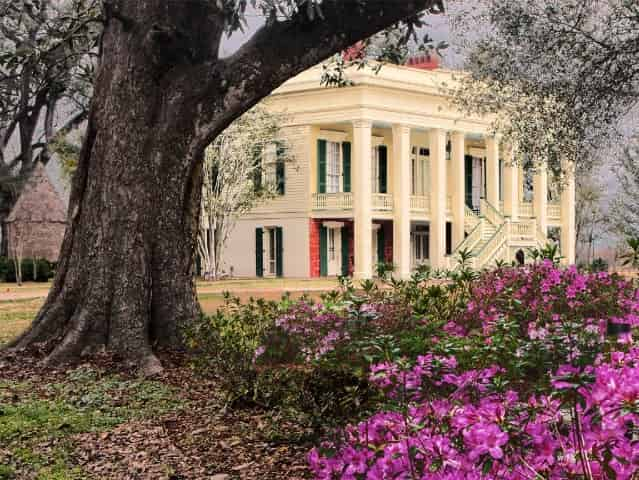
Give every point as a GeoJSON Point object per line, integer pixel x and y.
{"type": "Point", "coordinates": [38, 270]}
{"type": "Point", "coordinates": [5, 265]}
{"type": "Point", "coordinates": [524, 383]}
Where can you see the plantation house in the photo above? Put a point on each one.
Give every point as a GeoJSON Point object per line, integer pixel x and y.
{"type": "Point", "coordinates": [386, 170]}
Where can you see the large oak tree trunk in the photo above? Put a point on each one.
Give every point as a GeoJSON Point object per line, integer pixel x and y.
{"type": "Point", "coordinates": [125, 280]}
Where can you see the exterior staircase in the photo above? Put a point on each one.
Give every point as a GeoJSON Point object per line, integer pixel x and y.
{"type": "Point", "coordinates": [492, 237]}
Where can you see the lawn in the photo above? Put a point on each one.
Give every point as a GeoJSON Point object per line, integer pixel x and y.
{"type": "Point", "coordinates": [19, 304]}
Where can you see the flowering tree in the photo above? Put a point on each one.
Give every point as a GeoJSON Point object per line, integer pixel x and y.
{"type": "Point", "coordinates": [568, 58]}
{"type": "Point", "coordinates": [239, 171]}
{"type": "Point", "coordinates": [625, 208]}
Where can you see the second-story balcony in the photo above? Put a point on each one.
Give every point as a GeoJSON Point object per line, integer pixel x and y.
{"type": "Point", "coordinates": [380, 202]}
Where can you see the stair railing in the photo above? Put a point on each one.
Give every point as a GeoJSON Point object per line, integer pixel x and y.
{"type": "Point", "coordinates": [491, 214]}
{"type": "Point", "coordinates": [492, 246]}
{"type": "Point", "coordinates": [469, 243]}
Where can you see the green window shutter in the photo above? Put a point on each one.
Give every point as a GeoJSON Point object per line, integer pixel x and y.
{"type": "Point", "coordinates": [259, 252]}
{"type": "Point", "coordinates": [257, 170]}
{"type": "Point", "coordinates": [383, 169]}
{"type": "Point", "coordinates": [468, 175]}
{"type": "Point", "coordinates": [321, 166]}
{"type": "Point", "coordinates": [346, 166]}
{"type": "Point", "coordinates": [279, 252]}
{"type": "Point", "coordinates": [380, 245]}
{"type": "Point", "coordinates": [323, 251]}
{"type": "Point", "coordinates": [280, 173]}
{"type": "Point", "coordinates": [345, 251]}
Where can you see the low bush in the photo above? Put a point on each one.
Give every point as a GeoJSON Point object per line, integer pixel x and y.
{"type": "Point", "coordinates": [33, 270]}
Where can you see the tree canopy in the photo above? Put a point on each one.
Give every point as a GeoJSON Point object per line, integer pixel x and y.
{"type": "Point", "coordinates": [576, 59]}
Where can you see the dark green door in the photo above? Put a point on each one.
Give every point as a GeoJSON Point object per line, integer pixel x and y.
{"type": "Point", "coordinates": [383, 169]}
{"type": "Point", "coordinates": [323, 251]}
{"type": "Point", "coordinates": [279, 252]}
{"type": "Point", "coordinates": [346, 166]}
{"type": "Point", "coordinates": [259, 252]}
{"type": "Point", "coordinates": [468, 183]}
{"type": "Point", "coordinates": [345, 251]}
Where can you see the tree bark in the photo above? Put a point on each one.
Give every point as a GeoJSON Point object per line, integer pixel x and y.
{"type": "Point", "coordinates": [125, 277]}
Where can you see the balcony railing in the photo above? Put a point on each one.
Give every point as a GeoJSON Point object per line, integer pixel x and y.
{"type": "Point", "coordinates": [554, 211]}
{"type": "Point", "coordinates": [383, 202]}
{"type": "Point", "coordinates": [420, 204]}
{"type": "Point", "coordinates": [332, 201]}
{"type": "Point", "coordinates": [526, 209]}
{"type": "Point", "coordinates": [522, 229]}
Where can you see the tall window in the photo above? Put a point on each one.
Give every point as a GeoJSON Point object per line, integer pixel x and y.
{"type": "Point", "coordinates": [420, 244]}
{"type": "Point", "coordinates": [269, 165]}
{"type": "Point", "coordinates": [272, 251]}
{"type": "Point", "coordinates": [420, 168]}
{"type": "Point", "coordinates": [375, 169]}
{"type": "Point", "coordinates": [333, 170]}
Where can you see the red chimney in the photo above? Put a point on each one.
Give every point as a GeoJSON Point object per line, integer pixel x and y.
{"type": "Point", "coordinates": [355, 52]}
{"type": "Point", "coordinates": [424, 61]}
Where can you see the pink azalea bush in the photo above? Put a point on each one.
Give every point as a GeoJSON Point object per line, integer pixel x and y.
{"type": "Point", "coordinates": [473, 428]}
{"type": "Point", "coordinates": [521, 383]}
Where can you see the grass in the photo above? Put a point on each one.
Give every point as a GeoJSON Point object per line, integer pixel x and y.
{"type": "Point", "coordinates": [39, 420]}
{"type": "Point", "coordinates": [15, 316]}
{"type": "Point", "coordinates": [20, 304]}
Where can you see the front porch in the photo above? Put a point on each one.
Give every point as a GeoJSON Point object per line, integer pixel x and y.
{"type": "Point", "coordinates": [466, 186]}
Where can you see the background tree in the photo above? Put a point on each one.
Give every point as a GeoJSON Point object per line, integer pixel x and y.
{"type": "Point", "coordinates": [624, 214]}
{"type": "Point", "coordinates": [240, 169]}
{"type": "Point", "coordinates": [161, 96]}
{"type": "Point", "coordinates": [591, 221]}
{"type": "Point", "coordinates": [570, 56]}
{"type": "Point", "coordinates": [48, 52]}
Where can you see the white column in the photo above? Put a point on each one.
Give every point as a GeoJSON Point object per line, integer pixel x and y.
{"type": "Point", "coordinates": [492, 171]}
{"type": "Point", "coordinates": [362, 198]}
{"type": "Point", "coordinates": [512, 189]}
{"type": "Point", "coordinates": [457, 158]}
{"type": "Point", "coordinates": [568, 233]}
{"type": "Point", "coordinates": [437, 144]}
{"type": "Point", "coordinates": [401, 200]}
{"type": "Point", "coordinates": [540, 197]}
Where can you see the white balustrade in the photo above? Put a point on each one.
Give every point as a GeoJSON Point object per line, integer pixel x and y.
{"type": "Point", "coordinates": [382, 202]}
{"type": "Point", "coordinates": [526, 209]}
{"type": "Point", "coordinates": [554, 211]}
{"type": "Point", "coordinates": [420, 204]}
{"type": "Point", "coordinates": [332, 201]}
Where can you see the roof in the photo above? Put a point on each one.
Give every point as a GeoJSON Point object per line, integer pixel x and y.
{"type": "Point", "coordinates": [39, 201]}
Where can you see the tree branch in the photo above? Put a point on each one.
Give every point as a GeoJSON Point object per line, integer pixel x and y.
{"type": "Point", "coordinates": [281, 50]}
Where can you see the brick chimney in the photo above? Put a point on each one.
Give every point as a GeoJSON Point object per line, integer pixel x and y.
{"type": "Point", "coordinates": [424, 61]}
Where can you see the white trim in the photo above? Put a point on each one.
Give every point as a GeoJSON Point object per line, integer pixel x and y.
{"type": "Point", "coordinates": [333, 224]}
{"type": "Point", "coordinates": [376, 226]}
{"type": "Point", "coordinates": [333, 136]}
{"type": "Point", "coordinates": [377, 141]}
{"type": "Point", "coordinates": [477, 152]}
